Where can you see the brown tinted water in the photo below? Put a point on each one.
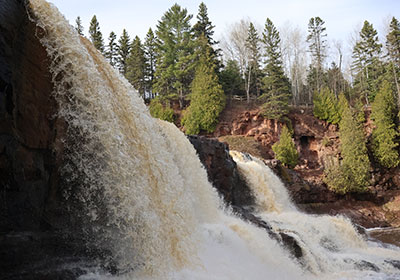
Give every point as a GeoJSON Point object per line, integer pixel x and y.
{"type": "Point", "coordinates": [386, 235]}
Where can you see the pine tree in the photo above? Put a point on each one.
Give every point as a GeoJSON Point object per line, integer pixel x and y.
{"type": "Point", "coordinates": [112, 49]}
{"type": "Point", "coordinates": [276, 86]}
{"type": "Point", "coordinates": [95, 35]}
{"type": "Point", "coordinates": [352, 173]}
{"type": "Point", "coordinates": [124, 48]}
{"type": "Point", "coordinates": [393, 47]}
{"type": "Point", "coordinates": [317, 46]}
{"type": "Point", "coordinates": [174, 70]}
{"type": "Point", "coordinates": [253, 79]}
{"type": "Point", "coordinates": [285, 149]}
{"type": "Point", "coordinates": [136, 66]}
{"type": "Point", "coordinates": [231, 79]}
{"type": "Point", "coordinates": [366, 62]}
{"type": "Point", "coordinates": [78, 26]}
{"type": "Point", "coordinates": [204, 27]}
{"type": "Point", "coordinates": [207, 99]}
{"type": "Point", "coordinates": [385, 134]}
{"type": "Point", "coordinates": [149, 46]}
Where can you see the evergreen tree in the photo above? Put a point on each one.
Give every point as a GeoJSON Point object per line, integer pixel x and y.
{"type": "Point", "coordinates": [78, 26]}
{"type": "Point", "coordinates": [393, 47]}
{"type": "Point", "coordinates": [95, 34]}
{"type": "Point", "coordinates": [366, 62]}
{"type": "Point", "coordinates": [393, 42]}
{"type": "Point", "coordinates": [174, 71]}
{"type": "Point", "coordinates": [124, 48]}
{"type": "Point", "coordinates": [149, 46]}
{"type": "Point", "coordinates": [204, 27]}
{"type": "Point", "coordinates": [326, 106]}
{"type": "Point", "coordinates": [276, 86]}
{"type": "Point", "coordinates": [317, 46]}
{"type": "Point", "coordinates": [207, 99]}
{"type": "Point", "coordinates": [159, 110]}
{"type": "Point", "coordinates": [253, 79]}
{"type": "Point", "coordinates": [136, 66]}
{"type": "Point", "coordinates": [112, 49]}
{"type": "Point", "coordinates": [352, 173]}
{"type": "Point", "coordinates": [384, 135]}
{"type": "Point", "coordinates": [285, 149]}
{"type": "Point", "coordinates": [231, 79]}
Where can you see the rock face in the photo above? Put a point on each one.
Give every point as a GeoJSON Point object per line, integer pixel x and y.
{"type": "Point", "coordinates": [31, 207]}
{"type": "Point", "coordinates": [222, 171]}
{"type": "Point", "coordinates": [29, 133]}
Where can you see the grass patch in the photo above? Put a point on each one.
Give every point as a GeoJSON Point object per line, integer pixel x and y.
{"type": "Point", "coordinates": [242, 144]}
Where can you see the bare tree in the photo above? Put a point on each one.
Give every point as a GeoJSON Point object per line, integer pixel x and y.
{"type": "Point", "coordinates": [295, 60]}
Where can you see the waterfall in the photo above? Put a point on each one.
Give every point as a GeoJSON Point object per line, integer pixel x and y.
{"type": "Point", "coordinates": [144, 195]}
{"type": "Point", "coordinates": [331, 245]}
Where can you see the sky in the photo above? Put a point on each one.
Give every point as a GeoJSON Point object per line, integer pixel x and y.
{"type": "Point", "coordinates": [341, 17]}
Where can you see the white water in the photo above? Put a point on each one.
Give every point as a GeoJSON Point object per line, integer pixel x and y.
{"type": "Point", "coordinates": [159, 216]}
{"type": "Point", "coordinates": [331, 245]}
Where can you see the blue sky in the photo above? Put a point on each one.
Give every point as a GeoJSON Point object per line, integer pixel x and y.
{"type": "Point", "coordinates": [341, 16]}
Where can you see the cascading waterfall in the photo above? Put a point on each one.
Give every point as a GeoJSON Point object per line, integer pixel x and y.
{"type": "Point", "coordinates": [331, 245]}
{"type": "Point", "coordinates": [146, 196]}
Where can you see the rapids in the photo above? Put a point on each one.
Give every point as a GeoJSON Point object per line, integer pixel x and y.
{"type": "Point", "coordinates": [146, 197]}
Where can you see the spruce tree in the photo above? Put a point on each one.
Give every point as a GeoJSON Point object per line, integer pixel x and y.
{"type": "Point", "coordinates": [231, 79]}
{"type": "Point", "coordinates": [136, 66]}
{"type": "Point", "coordinates": [78, 26]}
{"type": "Point", "coordinates": [149, 46]}
{"type": "Point", "coordinates": [112, 49]}
{"type": "Point", "coordinates": [366, 62]}
{"type": "Point", "coordinates": [317, 46]}
{"type": "Point", "coordinates": [95, 34]}
{"type": "Point", "coordinates": [393, 47]}
{"type": "Point", "coordinates": [174, 70]}
{"type": "Point", "coordinates": [351, 174]}
{"type": "Point", "coordinates": [385, 134]}
{"type": "Point", "coordinates": [124, 48]}
{"type": "Point", "coordinates": [253, 79]}
{"type": "Point", "coordinates": [285, 149]}
{"type": "Point", "coordinates": [204, 27]}
{"type": "Point", "coordinates": [207, 99]}
{"type": "Point", "coordinates": [276, 86]}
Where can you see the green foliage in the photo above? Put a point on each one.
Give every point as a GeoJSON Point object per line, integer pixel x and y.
{"type": "Point", "coordinates": [285, 150]}
{"type": "Point", "coordinates": [231, 79]}
{"type": "Point", "coordinates": [78, 26]}
{"type": "Point", "coordinates": [393, 42]}
{"type": "Point", "coordinates": [276, 85]}
{"type": "Point", "coordinates": [95, 35]}
{"type": "Point", "coordinates": [385, 134]}
{"type": "Point", "coordinates": [136, 66]}
{"type": "Point", "coordinates": [158, 110]}
{"type": "Point", "coordinates": [253, 79]}
{"type": "Point", "coordinates": [207, 99]}
{"type": "Point", "coordinates": [124, 49]}
{"type": "Point", "coordinates": [326, 106]}
{"type": "Point", "coordinates": [149, 47]}
{"type": "Point", "coordinates": [112, 48]}
{"type": "Point", "coordinates": [366, 62]}
{"type": "Point", "coordinates": [352, 173]}
{"type": "Point", "coordinates": [174, 71]}
{"type": "Point", "coordinates": [317, 47]}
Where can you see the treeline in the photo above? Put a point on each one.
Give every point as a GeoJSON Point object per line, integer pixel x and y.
{"type": "Point", "coordinates": [184, 63]}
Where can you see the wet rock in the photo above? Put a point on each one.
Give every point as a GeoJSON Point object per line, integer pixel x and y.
{"type": "Point", "coordinates": [285, 239]}
{"type": "Point", "coordinates": [222, 171]}
{"type": "Point", "coordinates": [394, 263]}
